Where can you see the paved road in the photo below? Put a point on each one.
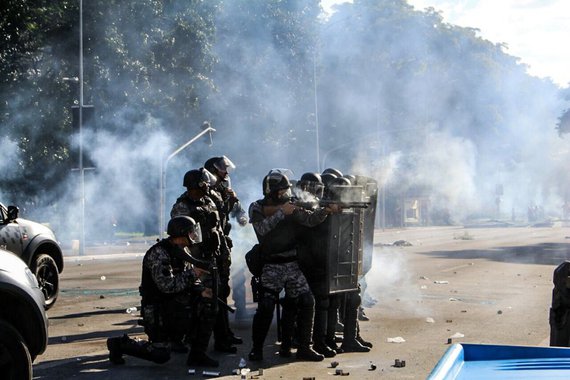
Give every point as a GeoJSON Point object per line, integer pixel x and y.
{"type": "Point", "coordinates": [492, 285]}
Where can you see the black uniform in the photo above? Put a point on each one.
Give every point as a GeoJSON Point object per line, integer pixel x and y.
{"type": "Point", "coordinates": [169, 290]}
{"type": "Point", "coordinates": [204, 211]}
{"type": "Point", "coordinates": [278, 236]}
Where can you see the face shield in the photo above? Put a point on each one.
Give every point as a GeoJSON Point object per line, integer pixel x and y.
{"type": "Point", "coordinates": [224, 166]}
{"type": "Point", "coordinates": [207, 179]}
{"type": "Point", "coordinates": [226, 183]}
{"type": "Point", "coordinates": [195, 236]}
{"type": "Point", "coordinates": [286, 172]}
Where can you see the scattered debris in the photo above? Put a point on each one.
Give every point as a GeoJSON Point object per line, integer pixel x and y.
{"type": "Point", "coordinates": [242, 363]}
{"type": "Point", "coordinates": [423, 287]}
{"type": "Point", "coordinates": [500, 312]}
{"type": "Point", "coordinates": [454, 299]}
{"type": "Point", "coordinates": [101, 297]}
{"type": "Point", "coordinates": [210, 373]}
{"type": "Point", "coordinates": [464, 311]}
{"type": "Point", "coordinates": [399, 363]}
{"type": "Point", "coordinates": [430, 320]}
{"type": "Point", "coordinates": [191, 371]}
{"type": "Point", "coordinates": [334, 364]}
{"type": "Point", "coordinates": [309, 378]}
{"type": "Point", "coordinates": [457, 335]}
{"type": "Point", "coordinates": [441, 282]}
{"type": "Point", "coordinates": [402, 243]}
{"type": "Point", "coordinates": [260, 372]}
{"type": "Point", "coordinates": [424, 278]}
{"type": "Point", "coordinates": [80, 324]}
{"type": "Point", "coordinates": [448, 321]}
{"type": "Point", "coordinates": [103, 278]}
{"type": "Point", "coordinates": [449, 340]}
{"type": "Point", "coordinates": [64, 339]}
{"type": "Point", "coordinates": [397, 339]}
{"type": "Point", "coordinates": [340, 372]}
{"type": "Point", "coordinates": [465, 236]}
{"type": "Point", "coordinates": [372, 367]}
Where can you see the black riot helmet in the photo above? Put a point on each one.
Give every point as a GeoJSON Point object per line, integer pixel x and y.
{"type": "Point", "coordinates": [273, 182]}
{"type": "Point", "coordinates": [221, 166]}
{"type": "Point", "coordinates": [184, 226]}
{"type": "Point", "coordinates": [351, 178]}
{"type": "Point", "coordinates": [312, 183]}
{"type": "Point", "coordinates": [335, 188]}
{"type": "Point", "coordinates": [334, 171]}
{"type": "Point", "coordinates": [326, 178]}
{"type": "Point", "coordinates": [199, 179]}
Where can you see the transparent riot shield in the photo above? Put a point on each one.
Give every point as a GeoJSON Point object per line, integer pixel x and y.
{"type": "Point", "coordinates": [370, 196]}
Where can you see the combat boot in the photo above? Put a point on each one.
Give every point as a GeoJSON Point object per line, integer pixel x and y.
{"type": "Point", "coordinates": [361, 315]}
{"type": "Point", "coordinates": [137, 348]}
{"type": "Point", "coordinates": [115, 354]}
{"type": "Point", "coordinates": [308, 354]}
{"type": "Point", "coordinates": [365, 343]}
{"type": "Point", "coordinates": [255, 355]}
{"type": "Point", "coordinates": [324, 350]}
{"type": "Point", "coordinates": [353, 345]}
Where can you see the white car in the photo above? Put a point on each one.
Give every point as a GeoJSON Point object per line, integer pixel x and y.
{"type": "Point", "coordinates": [37, 246]}
{"type": "Point", "coordinates": [23, 321]}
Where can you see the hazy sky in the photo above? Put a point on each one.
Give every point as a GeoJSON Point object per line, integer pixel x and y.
{"type": "Point", "coordinates": [536, 31]}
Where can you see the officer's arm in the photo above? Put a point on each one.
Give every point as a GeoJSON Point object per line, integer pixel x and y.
{"type": "Point", "coordinates": [166, 281]}
{"type": "Point", "coordinates": [310, 218]}
{"type": "Point", "coordinates": [262, 224]}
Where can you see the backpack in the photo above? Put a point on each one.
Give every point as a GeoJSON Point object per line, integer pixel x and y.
{"type": "Point", "coordinates": [254, 260]}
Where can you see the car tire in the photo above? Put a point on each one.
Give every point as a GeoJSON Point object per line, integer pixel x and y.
{"type": "Point", "coordinates": [47, 274]}
{"type": "Point", "coordinates": [15, 360]}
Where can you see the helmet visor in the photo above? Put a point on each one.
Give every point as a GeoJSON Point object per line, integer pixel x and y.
{"type": "Point", "coordinates": [195, 236]}
{"type": "Point", "coordinates": [207, 179]}
{"type": "Point", "coordinates": [224, 165]}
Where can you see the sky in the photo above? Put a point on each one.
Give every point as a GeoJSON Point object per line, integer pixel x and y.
{"type": "Point", "coordinates": [536, 31]}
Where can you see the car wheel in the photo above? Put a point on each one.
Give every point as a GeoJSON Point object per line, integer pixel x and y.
{"type": "Point", "coordinates": [45, 269]}
{"type": "Point", "coordinates": [15, 360]}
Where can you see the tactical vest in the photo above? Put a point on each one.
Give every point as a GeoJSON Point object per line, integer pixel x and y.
{"type": "Point", "coordinates": [149, 291]}
{"type": "Point", "coordinates": [279, 245]}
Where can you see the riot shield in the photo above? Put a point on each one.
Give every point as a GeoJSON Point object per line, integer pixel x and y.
{"type": "Point", "coordinates": [370, 196]}
{"type": "Point", "coordinates": [340, 237]}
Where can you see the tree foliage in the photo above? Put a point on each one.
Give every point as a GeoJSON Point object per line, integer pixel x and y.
{"type": "Point", "coordinates": [269, 74]}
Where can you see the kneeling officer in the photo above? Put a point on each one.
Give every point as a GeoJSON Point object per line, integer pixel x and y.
{"type": "Point", "coordinates": [170, 289]}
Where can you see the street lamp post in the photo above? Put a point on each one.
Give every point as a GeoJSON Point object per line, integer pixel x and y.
{"type": "Point", "coordinates": [163, 167]}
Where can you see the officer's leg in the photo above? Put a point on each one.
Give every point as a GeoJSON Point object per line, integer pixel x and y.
{"type": "Point", "coordinates": [305, 319]}
{"type": "Point", "coordinates": [349, 342]}
{"type": "Point", "coordinates": [222, 333]}
{"type": "Point", "coordinates": [119, 346]}
{"type": "Point", "coordinates": [320, 326]}
{"type": "Point", "coordinates": [204, 319]}
{"type": "Point", "coordinates": [261, 323]}
{"type": "Point", "coordinates": [332, 319]}
{"type": "Point", "coordinates": [288, 318]}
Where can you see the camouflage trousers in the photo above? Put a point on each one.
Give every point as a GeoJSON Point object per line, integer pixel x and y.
{"type": "Point", "coordinates": [288, 276]}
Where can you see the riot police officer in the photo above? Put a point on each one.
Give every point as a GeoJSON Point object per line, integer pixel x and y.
{"type": "Point", "coordinates": [169, 288]}
{"type": "Point", "coordinates": [312, 259]}
{"type": "Point", "coordinates": [350, 301]}
{"type": "Point", "coordinates": [228, 205]}
{"type": "Point", "coordinates": [276, 222]}
{"type": "Point", "coordinates": [196, 203]}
